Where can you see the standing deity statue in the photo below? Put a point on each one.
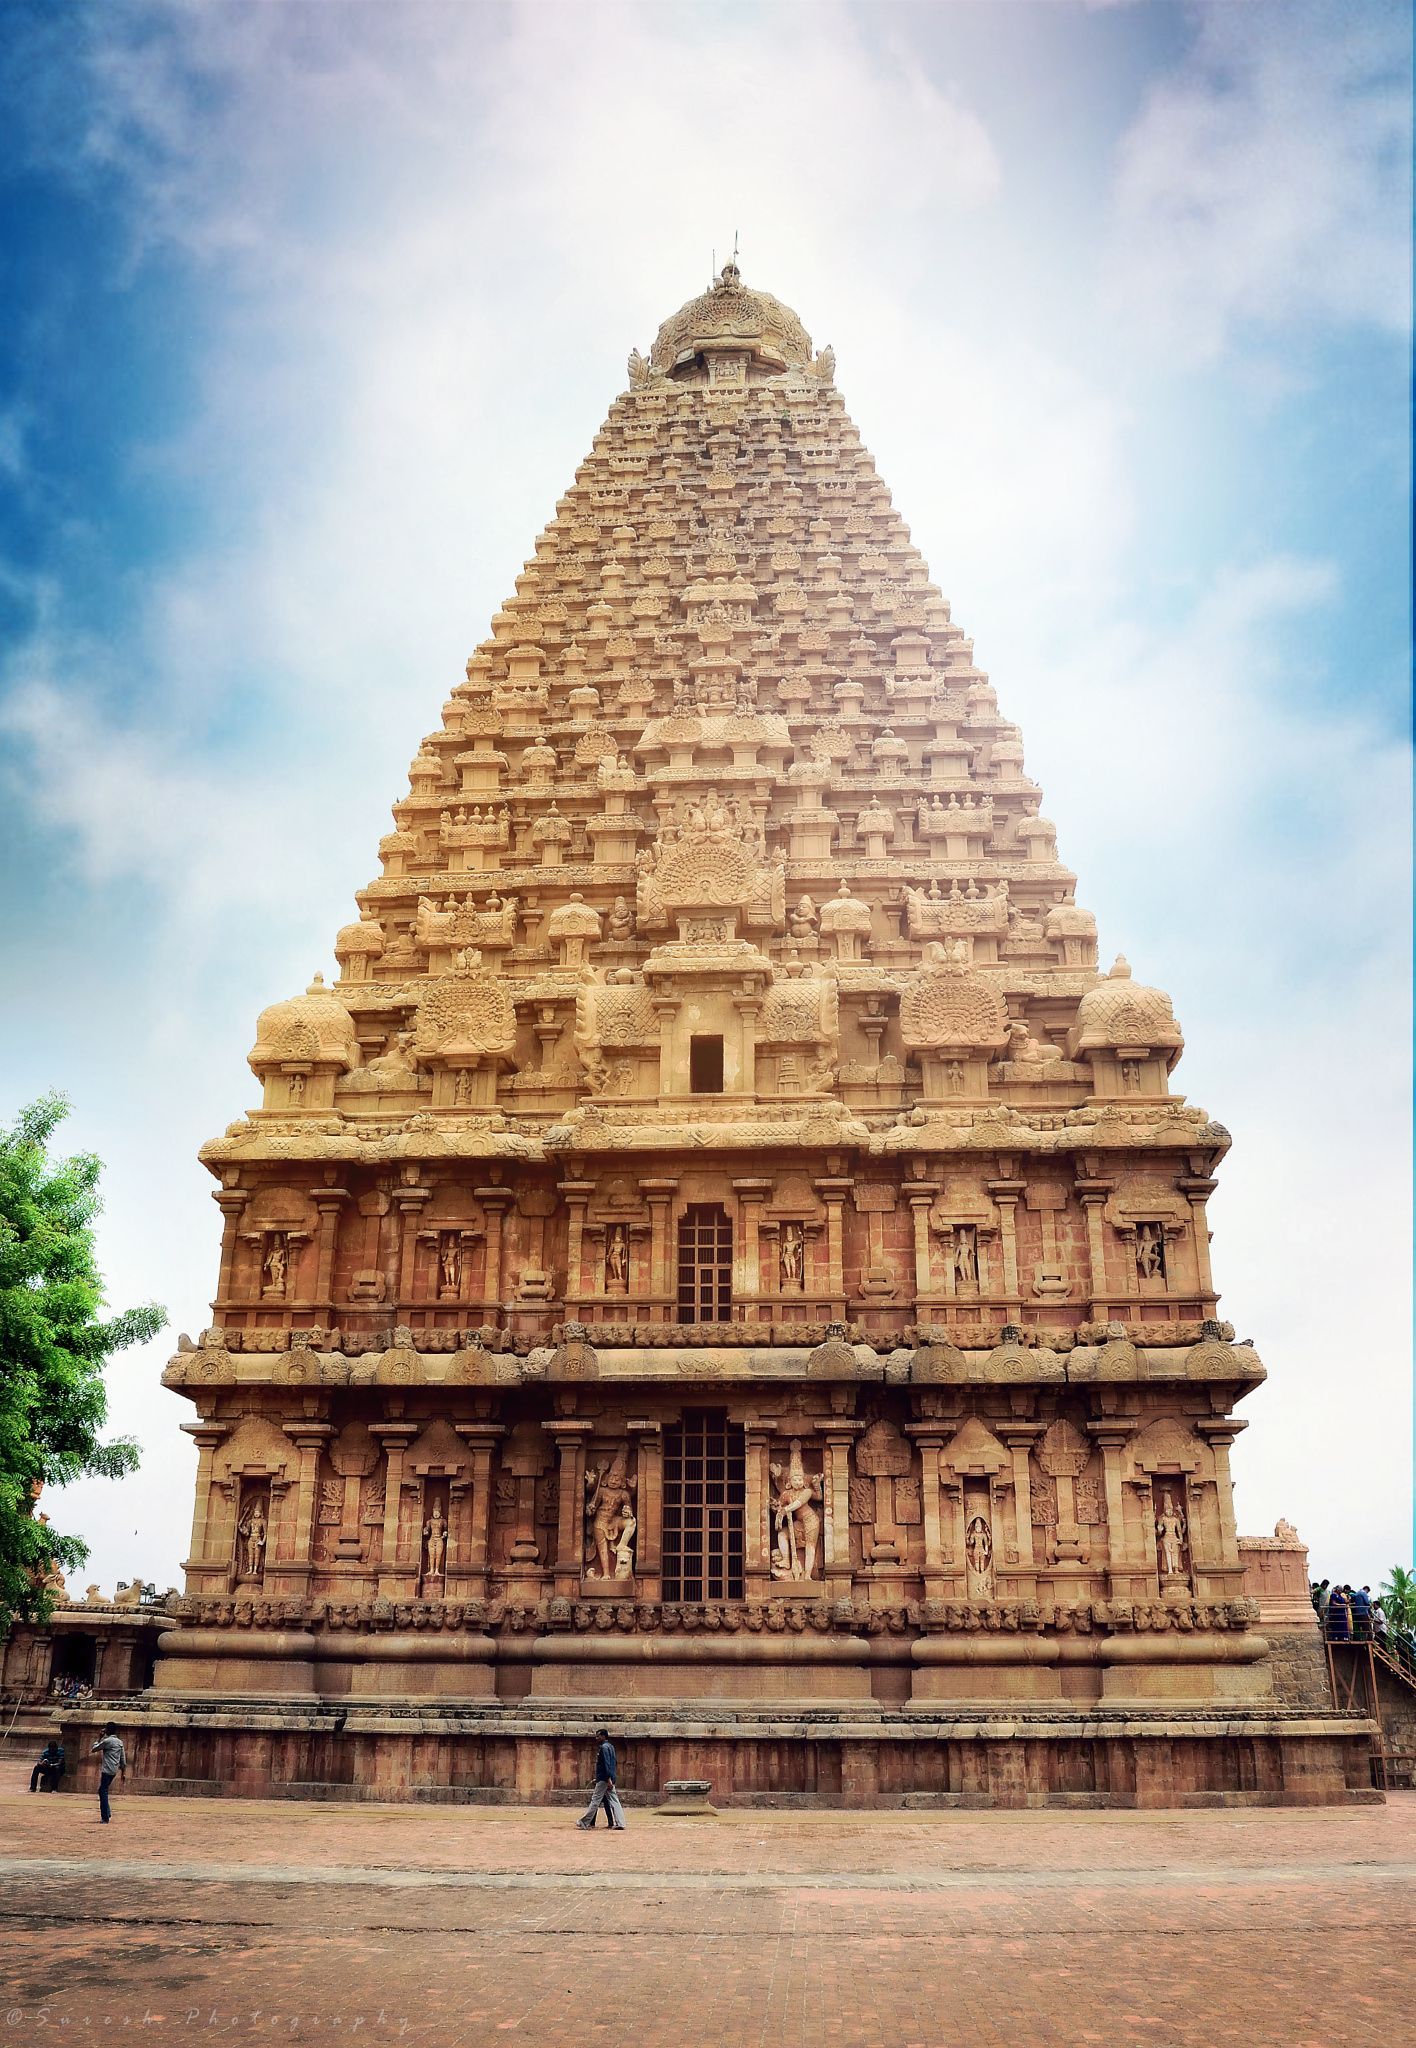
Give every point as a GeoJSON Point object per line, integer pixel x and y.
{"type": "Point", "coordinates": [617, 1257]}
{"type": "Point", "coordinates": [1170, 1538]}
{"type": "Point", "coordinates": [609, 1504]}
{"type": "Point", "coordinates": [276, 1265]}
{"type": "Point", "coordinates": [795, 1517]}
{"type": "Point", "coordinates": [792, 1257]}
{"type": "Point", "coordinates": [451, 1264]}
{"type": "Point", "coordinates": [435, 1541]}
{"type": "Point", "coordinates": [965, 1256]}
{"type": "Point", "coordinates": [253, 1541]}
{"type": "Point", "coordinates": [978, 1549]}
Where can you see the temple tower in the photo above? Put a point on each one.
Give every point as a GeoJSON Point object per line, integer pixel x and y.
{"type": "Point", "coordinates": [721, 1237]}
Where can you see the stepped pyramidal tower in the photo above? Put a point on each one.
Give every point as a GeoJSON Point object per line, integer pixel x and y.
{"type": "Point", "coordinates": [721, 1256]}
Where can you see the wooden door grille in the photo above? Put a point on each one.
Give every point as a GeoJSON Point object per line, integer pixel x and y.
{"type": "Point", "coordinates": [705, 1264]}
{"type": "Point", "coordinates": [705, 1490]}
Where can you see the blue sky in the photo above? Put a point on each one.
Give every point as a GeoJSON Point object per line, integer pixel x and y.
{"type": "Point", "coordinates": [312, 311]}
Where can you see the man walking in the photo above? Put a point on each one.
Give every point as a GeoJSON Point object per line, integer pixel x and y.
{"type": "Point", "coordinates": [604, 1794]}
{"type": "Point", "coordinates": [113, 1763]}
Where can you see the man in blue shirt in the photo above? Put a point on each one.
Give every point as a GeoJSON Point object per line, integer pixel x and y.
{"type": "Point", "coordinates": [604, 1794]}
{"type": "Point", "coordinates": [50, 1768]}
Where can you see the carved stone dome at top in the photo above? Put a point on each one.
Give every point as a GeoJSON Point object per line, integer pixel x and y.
{"type": "Point", "coordinates": [315, 1026]}
{"type": "Point", "coordinates": [1120, 1012]}
{"type": "Point", "coordinates": [729, 315]}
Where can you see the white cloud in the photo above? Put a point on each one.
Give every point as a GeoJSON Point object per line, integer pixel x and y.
{"type": "Point", "coordinates": [1266, 181]}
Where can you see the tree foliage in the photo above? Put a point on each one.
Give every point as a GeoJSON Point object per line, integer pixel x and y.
{"type": "Point", "coordinates": [55, 1342]}
{"type": "Point", "coordinates": [1398, 1597]}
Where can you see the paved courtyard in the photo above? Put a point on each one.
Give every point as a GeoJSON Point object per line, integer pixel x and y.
{"type": "Point", "coordinates": [192, 1920]}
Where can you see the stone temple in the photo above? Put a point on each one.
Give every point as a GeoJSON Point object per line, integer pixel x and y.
{"type": "Point", "coordinates": [721, 1257]}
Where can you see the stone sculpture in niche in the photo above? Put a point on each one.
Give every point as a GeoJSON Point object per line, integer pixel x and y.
{"type": "Point", "coordinates": [978, 1552]}
{"type": "Point", "coordinates": [609, 1510]}
{"type": "Point", "coordinates": [1150, 1251]}
{"type": "Point", "coordinates": [1170, 1538]}
{"type": "Point", "coordinates": [617, 1258]}
{"type": "Point", "coordinates": [253, 1540]}
{"type": "Point", "coordinates": [276, 1264]}
{"type": "Point", "coordinates": [450, 1264]}
{"type": "Point", "coordinates": [794, 1517]}
{"type": "Point", "coordinates": [792, 1255]}
{"type": "Point", "coordinates": [434, 1543]}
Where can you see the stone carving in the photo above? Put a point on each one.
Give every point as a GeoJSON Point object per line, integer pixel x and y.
{"type": "Point", "coordinates": [796, 1521]}
{"type": "Point", "coordinates": [978, 1551]}
{"type": "Point", "coordinates": [434, 1543]}
{"type": "Point", "coordinates": [252, 1533]}
{"type": "Point", "coordinates": [609, 1518]}
{"type": "Point", "coordinates": [949, 1004]}
{"type": "Point", "coordinates": [1170, 1531]}
{"type": "Point", "coordinates": [792, 1256]}
{"type": "Point", "coordinates": [468, 1011]}
{"type": "Point", "coordinates": [1150, 1251]}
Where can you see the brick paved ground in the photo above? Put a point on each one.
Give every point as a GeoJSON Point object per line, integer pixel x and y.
{"type": "Point", "coordinates": [190, 1920]}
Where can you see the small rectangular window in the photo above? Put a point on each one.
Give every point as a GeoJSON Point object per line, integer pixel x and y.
{"type": "Point", "coordinates": [705, 1066]}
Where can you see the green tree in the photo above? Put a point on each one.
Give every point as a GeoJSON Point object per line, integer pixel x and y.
{"type": "Point", "coordinates": [54, 1345]}
{"type": "Point", "coordinates": [1398, 1597]}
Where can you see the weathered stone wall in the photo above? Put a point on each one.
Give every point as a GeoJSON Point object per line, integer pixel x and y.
{"type": "Point", "coordinates": [1300, 1674]}
{"type": "Point", "coordinates": [841, 1758]}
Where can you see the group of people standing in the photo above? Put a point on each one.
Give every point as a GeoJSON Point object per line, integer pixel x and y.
{"type": "Point", "coordinates": [1353, 1614]}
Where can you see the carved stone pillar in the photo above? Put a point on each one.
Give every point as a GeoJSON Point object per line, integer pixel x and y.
{"type": "Point", "coordinates": [837, 1497]}
{"type": "Point", "coordinates": [1092, 1195]}
{"type": "Point", "coordinates": [1005, 1193]}
{"type": "Point", "coordinates": [496, 1202]}
{"type": "Point", "coordinates": [206, 1436]}
{"type": "Point", "coordinates": [1220, 1432]}
{"type": "Point", "coordinates": [833, 1193]}
{"type": "Point", "coordinates": [747, 1007]}
{"type": "Point", "coordinates": [231, 1202]}
{"type": "Point", "coordinates": [395, 1437]}
{"type": "Point", "coordinates": [747, 1272]}
{"type": "Point", "coordinates": [1111, 1439]}
{"type": "Point", "coordinates": [329, 1202]}
{"type": "Point", "coordinates": [569, 1437]}
{"type": "Point", "coordinates": [577, 1194]}
{"type": "Point", "coordinates": [296, 1567]}
{"type": "Point", "coordinates": [1019, 1437]}
{"type": "Point", "coordinates": [480, 1438]}
{"type": "Point", "coordinates": [1197, 1190]}
{"type": "Point", "coordinates": [409, 1202]}
{"type": "Point", "coordinates": [757, 1510]}
{"type": "Point", "coordinates": [659, 1194]}
{"type": "Point", "coordinates": [930, 1437]}
{"type": "Point", "coordinates": [648, 1438]}
{"type": "Point", "coordinates": [920, 1194]}
{"type": "Point", "coordinates": [666, 1009]}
